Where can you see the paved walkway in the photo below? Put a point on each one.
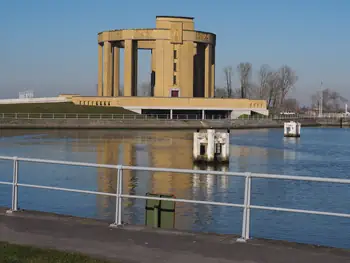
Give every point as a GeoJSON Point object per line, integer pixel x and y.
{"type": "Point", "coordinates": [135, 245]}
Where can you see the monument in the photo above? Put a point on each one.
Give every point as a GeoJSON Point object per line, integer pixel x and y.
{"type": "Point", "coordinates": [182, 74]}
{"type": "Point", "coordinates": [183, 60]}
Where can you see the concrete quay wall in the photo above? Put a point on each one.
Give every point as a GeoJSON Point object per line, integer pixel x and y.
{"type": "Point", "coordinates": [147, 124]}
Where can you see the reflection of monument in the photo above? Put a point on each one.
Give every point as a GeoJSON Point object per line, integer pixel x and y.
{"type": "Point", "coordinates": [108, 152]}
{"type": "Point", "coordinates": [162, 153]}
{"type": "Point", "coordinates": [178, 155]}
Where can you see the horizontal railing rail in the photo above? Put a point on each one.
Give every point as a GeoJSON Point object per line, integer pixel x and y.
{"type": "Point", "coordinates": [206, 116]}
{"type": "Point", "coordinates": [246, 205]}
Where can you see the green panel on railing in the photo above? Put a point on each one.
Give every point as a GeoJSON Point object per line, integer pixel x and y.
{"type": "Point", "coordinates": [167, 212]}
{"type": "Point", "coordinates": [160, 213]}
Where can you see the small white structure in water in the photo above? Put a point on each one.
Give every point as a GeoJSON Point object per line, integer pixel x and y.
{"type": "Point", "coordinates": [211, 146]}
{"type": "Point", "coordinates": [292, 129]}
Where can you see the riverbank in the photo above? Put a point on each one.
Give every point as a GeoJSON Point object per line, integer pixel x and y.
{"type": "Point", "coordinates": [10, 123]}
{"type": "Point", "coordinates": [139, 244]}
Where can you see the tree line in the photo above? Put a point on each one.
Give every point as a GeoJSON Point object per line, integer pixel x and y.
{"type": "Point", "coordinates": [270, 85]}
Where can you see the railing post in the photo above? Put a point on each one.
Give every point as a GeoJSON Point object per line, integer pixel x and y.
{"type": "Point", "coordinates": [118, 203]}
{"type": "Point", "coordinates": [14, 206]}
{"type": "Point", "coordinates": [246, 210]}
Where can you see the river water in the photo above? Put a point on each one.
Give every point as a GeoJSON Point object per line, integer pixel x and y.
{"type": "Point", "coordinates": [322, 152]}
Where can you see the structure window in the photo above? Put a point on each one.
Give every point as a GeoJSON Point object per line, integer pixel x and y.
{"type": "Point", "coordinates": [174, 66]}
{"type": "Point", "coordinates": [174, 93]}
{"type": "Point", "coordinates": [174, 80]}
{"type": "Point", "coordinates": [175, 54]}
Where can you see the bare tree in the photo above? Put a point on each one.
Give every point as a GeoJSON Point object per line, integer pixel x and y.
{"type": "Point", "coordinates": [275, 85]}
{"type": "Point", "coordinates": [264, 76]}
{"type": "Point", "coordinates": [144, 89]}
{"type": "Point", "coordinates": [228, 80]}
{"type": "Point", "coordinates": [288, 78]}
{"type": "Point", "coordinates": [272, 89]}
{"type": "Point", "coordinates": [244, 70]}
{"type": "Point", "coordinates": [332, 101]}
{"type": "Point", "coordinates": [291, 104]}
{"type": "Point", "coordinates": [220, 92]}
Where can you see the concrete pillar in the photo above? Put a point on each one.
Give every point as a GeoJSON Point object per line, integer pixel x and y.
{"type": "Point", "coordinates": [207, 71]}
{"type": "Point", "coordinates": [171, 114]}
{"type": "Point", "coordinates": [203, 114]}
{"type": "Point", "coordinates": [211, 145]}
{"type": "Point", "coordinates": [164, 69]}
{"type": "Point", "coordinates": [212, 79]}
{"type": "Point", "coordinates": [107, 69]}
{"type": "Point", "coordinates": [116, 70]}
{"type": "Point", "coordinates": [135, 68]}
{"type": "Point", "coordinates": [100, 71]}
{"type": "Point", "coordinates": [186, 74]}
{"type": "Point", "coordinates": [130, 67]}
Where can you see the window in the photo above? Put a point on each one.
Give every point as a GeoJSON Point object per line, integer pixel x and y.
{"type": "Point", "coordinates": [175, 54]}
{"type": "Point", "coordinates": [174, 80]}
{"type": "Point", "coordinates": [174, 67]}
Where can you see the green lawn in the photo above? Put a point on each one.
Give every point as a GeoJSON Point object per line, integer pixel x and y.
{"type": "Point", "coordinates": [22, 254]}
{"type": "Point", "coordinates": [61, 107]}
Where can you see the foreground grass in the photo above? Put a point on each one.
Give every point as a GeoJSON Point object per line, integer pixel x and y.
{"type": "Point", "coordinates": [23, 254]}
{"type": "Point", "coordinates": [60, 107]}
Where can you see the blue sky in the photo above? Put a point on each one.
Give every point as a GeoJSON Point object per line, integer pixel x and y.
{"type": "Point", "coordinates": [51, 46]}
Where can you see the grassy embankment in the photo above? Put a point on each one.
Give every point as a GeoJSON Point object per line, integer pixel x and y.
{"type": "Point", "coordinates": [23, 254]}
{"type": "Point", "coordinates": [61, 107]}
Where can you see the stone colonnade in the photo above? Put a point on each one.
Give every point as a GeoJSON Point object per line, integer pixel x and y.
{"type": "Point", "coordinates": [183, 60]}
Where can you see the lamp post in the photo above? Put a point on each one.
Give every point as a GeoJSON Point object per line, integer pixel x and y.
{"type": "Point", "coordinates": [320, 104]}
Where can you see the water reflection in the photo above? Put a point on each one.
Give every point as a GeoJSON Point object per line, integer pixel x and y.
{"type": "Point", "coordinates": [262, 151]}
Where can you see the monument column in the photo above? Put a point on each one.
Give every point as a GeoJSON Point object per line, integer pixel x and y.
{"type": "Point", "coordinates": [134, 68]}
{"type": "Point", "coordinates": [100, 71]}
{"type": "Point", "coordinates": [212, 85]}
{"type": "Point", "coordinates": [130, 67]}
{"type": "Point", "coordinates": [116, 72]}
{"type": "Point", "coordinates": [107, 69]}
{"type": "Point", "coordinates": [207, 71]}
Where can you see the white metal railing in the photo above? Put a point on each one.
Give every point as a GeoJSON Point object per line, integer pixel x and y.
{"type": "Point", "coordinates": [112, 116]}
{"type": "Point", "coordinates": [246, 205]}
